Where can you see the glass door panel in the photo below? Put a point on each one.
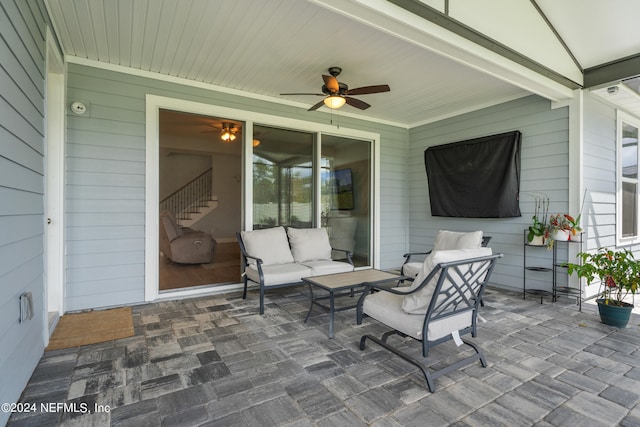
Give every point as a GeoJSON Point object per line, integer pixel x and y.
{"type": "Point", "coordinates": [346, 195]}
{"type": "Point", "coordinates": [282, 178]}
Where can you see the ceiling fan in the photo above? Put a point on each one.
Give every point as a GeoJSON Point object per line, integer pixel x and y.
{"type": "Point", "coordinates": [337, 94]}
{"type": "Point", "coordinates": [227, 131]}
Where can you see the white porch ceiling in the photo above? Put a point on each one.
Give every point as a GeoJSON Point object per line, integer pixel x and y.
{"type": "Point", "coordinates": [265, 48]}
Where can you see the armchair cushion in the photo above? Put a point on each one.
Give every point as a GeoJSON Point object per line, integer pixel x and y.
{"type": "Point", "coordinates": [448, 240]}
{"type": "Point", "coordinates": [309, 244]}
{"type": "Point", "coordinates": [270, 245]}
{"type": "Point", "coordinates": [418, 302]}
{"type": "Point", "coordinates": [386, 308]}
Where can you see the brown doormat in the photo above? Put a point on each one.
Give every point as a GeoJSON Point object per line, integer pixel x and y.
{"type": "Point", "coordinates": [74, 330]}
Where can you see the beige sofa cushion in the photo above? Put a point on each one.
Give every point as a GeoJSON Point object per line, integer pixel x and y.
{"type": "Point", "coordinates": [277, 274]}
{"type": "Point", "coordinates": [418, 302]}
{"type": "Point", "coordinates": [309, 244]}
{"type": "Point", "coordinates": [327, 266]}
{"type": "Point", "coordinates": [269, 244]}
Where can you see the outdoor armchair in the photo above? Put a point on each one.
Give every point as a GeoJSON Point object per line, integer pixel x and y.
{"type": "Point", "coordinates": [441, 305]}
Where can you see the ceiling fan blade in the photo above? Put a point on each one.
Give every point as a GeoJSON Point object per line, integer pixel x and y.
{"type": "Point", "coordinates": [368, 89]}
{"type": "Point", "coordinates": [317, 94]}
{"type": "Point", "coordinates": [316, 106]}
{"type": "Point", "coordinates": [331, 83]}
{"type": "Point", "coordinates": [357, 103]}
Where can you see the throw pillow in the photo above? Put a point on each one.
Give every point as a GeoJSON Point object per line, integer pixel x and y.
{"type": "Point", "coordinates": [269, 244]}
{"type": "Point", "coordinates": [309, 244]}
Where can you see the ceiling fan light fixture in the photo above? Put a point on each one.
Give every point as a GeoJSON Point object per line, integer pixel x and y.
{"type": "Point", "coordinates": [334, 101]}
{"type": "Point", "coordinates": [228, 133]}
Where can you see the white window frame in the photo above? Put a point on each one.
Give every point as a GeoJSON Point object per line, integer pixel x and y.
{"type": "Point", "coordinates": [621, 118]}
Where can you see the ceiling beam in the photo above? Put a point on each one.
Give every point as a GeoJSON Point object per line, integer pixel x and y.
{"type": "Point", "coordinates": [436, 17]}
{"type": "Point", "coordinates": [613, 71]}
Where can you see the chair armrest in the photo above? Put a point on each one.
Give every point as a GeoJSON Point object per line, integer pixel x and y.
{"type": "Point", "coordinates": [346, 252]}
{"type": "Point", "coordinates": [258, 260]}
{"type": "Point", "coordinates": [245, 255]}
{"type": "Point", "coordinates": [408, 255]}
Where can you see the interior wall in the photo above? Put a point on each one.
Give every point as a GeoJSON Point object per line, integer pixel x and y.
{"type": "Point", "coordinates": [544, 168]}
{"type": "Point", "coordinates": [22, 154]}
{"type": "Point", "coordinates": [225, 220]}
{"type": "Point", "coordinates": [178, 169]}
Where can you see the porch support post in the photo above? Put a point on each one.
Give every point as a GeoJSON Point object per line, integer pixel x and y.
{"type": "Point", "coordinates": [576, 176]}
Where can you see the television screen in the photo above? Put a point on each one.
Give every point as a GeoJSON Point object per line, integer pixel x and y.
{"type": "Point", "coordinates": [341, 189]}
{"type": "Point", "coordinates": [475, 178]}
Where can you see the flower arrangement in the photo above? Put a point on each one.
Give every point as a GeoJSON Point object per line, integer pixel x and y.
{"type": "Point", "coordinates": [618, 271]}
{"type": "Point", "coordinates": [559, 225]}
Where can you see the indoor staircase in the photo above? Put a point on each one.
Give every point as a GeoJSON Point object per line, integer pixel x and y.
{"type": "Point", "coordinates": [193, 201]}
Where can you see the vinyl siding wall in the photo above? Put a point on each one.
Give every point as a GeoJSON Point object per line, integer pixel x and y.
{"type": "Point", "coordinates": [22, 89]}
{"type": "Point", "coordinates": [105, 187]}
{"type": "Point", "coordinates": [600, 176]}
{"type": "Point", "coordinates": [544, 169]}
{"type": "Point", "coordinates": [599, 173]}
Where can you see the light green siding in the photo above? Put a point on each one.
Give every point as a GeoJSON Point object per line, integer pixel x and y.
{"type": "Point", "coordinates": [105, 186]}
{"type": "Point", "coordinates": [545, 160]}
{"type": "Point", "coordinates": [22, 73]}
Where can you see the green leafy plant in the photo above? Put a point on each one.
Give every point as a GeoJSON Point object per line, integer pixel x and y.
{"type": "Point", "coordinates": [618, 271]}
{"type": "Point", "coordinates": [539, 219]}
{"type": "Point", "coordinates": [536, 229]}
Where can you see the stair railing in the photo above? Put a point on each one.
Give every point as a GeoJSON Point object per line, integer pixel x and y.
{"type": "Point", "coordinates": [188, 198]}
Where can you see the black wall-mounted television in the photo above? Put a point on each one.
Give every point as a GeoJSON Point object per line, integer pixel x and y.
{"type": "Point", "coordinates": [475, 178]}
{"type": "Point", "coordinates": [342, 189]}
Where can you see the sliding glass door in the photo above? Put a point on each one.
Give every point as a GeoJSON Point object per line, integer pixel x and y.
{"type": "Point", "coordinates": [285, 186]}
{"type": "Point", "coordinates": [282, 178]}
{"type": "Point", "coordinates": [346, 195]}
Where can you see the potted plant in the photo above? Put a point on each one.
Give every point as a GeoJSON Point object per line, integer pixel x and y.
{"type": "Point", "coordinates": [559, 229]}
{"type": "Point", "coordinates": [539, 226]}
{"type": "Point", "coordinates": [619, 274]}
{"type": "Point", "coordinates": [536, 232]}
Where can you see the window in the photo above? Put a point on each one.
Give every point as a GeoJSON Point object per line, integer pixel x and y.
{"type": "Point", "coordinates": [627, 197]}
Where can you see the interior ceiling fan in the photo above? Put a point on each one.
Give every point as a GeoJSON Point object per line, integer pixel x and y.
{"type": "Point", "coordinates": [337, 94]}
{"type": "Point", "coordinates": [228, 130]}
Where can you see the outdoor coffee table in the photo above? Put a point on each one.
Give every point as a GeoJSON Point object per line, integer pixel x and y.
{"type": "Point", "coordinates": [338, 284]}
